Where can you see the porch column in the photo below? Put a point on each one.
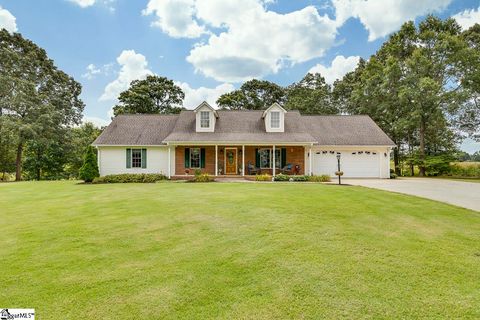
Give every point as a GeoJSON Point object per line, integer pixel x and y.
{"type": "Point", "coordinates": [310, 156]}
{"type": "Point", "coordinates": [243, 160]}
{"type": "Point", "coordinates": [169, 163]}
{"type": "Point", "coordinates": [216, 160]}
{"type": "Point", "coordinates": [273, 171]}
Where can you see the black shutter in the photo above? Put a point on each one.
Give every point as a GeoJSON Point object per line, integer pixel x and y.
{"type": "Point", "coordinates": [187, 157]}
{"type": "Point", "coordinates": [284, 157]}
{"type": "Point", "coordinates": [257, 158]}
{"type": "Point", "coordinates": [202, 158]}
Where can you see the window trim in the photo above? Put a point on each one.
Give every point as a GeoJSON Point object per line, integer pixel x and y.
{"type": "Point", "coordinates": [202, 113]}
{"type": "Point", "coordinates": [199, 158]}
{"type": "Point", "coordinates": [271, 119]}
{"type": "Point", "coordinates": [131, 159]}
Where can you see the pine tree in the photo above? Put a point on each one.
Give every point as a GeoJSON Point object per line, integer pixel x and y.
{"type": "Point", "coordinates": [89, 170]}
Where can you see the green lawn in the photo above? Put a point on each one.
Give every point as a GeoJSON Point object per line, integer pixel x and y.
{"type": "Point", "coordinates": [240, 250]}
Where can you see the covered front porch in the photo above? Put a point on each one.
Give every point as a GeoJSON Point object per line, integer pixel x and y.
{"type": "Point", "coordinates": [240, 160]}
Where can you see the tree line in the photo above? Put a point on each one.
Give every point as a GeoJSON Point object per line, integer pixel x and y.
{"type": "Point", "coordinates": [422, 87]}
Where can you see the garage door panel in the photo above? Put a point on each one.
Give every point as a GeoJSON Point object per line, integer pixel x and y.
{"type": "Point", "coordinates": [354, 164]}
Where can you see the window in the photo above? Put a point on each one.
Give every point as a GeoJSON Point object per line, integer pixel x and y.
{"type": "Point", "coordinates": [205, 119]}
{"type": "Point", "coordinates": [275, 119]}
{"type": "Point", "coordinates": [266, 158]}
{"type": "Point", "coordinates": [265, 162]}
{"type": "Point", "coordinates": [195, 158]}
{"type": "Point", "coordinates": [136, 158]}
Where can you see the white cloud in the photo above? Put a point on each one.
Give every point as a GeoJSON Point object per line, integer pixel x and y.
{"type": "Point", "coordinates": [468, 18]}
{"type": "Point", "coordinates": [98, 122]}
{"type": "Point", "coordinates": [133, 67]}
{"type": "Point", "coordinates": [193, 97]}
{"type": "Point", "coordinates": [7, 20]}
{"type": "Point", "coordinates": [88, 3]}
{"type": "Point", "coordinates": [339, 67]}
{"type": "Point", "coordinates": [84, 3]}
{"type": "Point", "coordinates": [250, 41]}
{"type": "Point", "coordinates": [381, 17]}
{"type": "Point", "coordinates": [92, 70]}
{"type": "Point", "coordinates": [175, 17]}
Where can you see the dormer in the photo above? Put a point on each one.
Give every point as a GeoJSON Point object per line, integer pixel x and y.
{"type": "Point", "coordinates": [205, 117]}
{"type": "Point", "coordinates": [274, 118]}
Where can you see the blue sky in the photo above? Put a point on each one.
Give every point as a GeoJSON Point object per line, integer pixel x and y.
{"type": "Point", "coordinates": [211, 46]}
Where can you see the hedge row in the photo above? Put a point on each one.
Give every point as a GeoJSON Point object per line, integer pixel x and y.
{"type": "Point", "coordinates": [131, 178]}
{"type": "Point", "coordinates": [284, 177]}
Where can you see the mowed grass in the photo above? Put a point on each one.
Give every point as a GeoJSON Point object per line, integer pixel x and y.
{"type": "Point", "coordinates": [235, 251]}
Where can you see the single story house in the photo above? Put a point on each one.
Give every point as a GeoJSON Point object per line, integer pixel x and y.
{"type": "Point", "coordinates": [246, 142]}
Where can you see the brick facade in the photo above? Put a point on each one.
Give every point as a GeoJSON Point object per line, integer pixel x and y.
{"type": "Point", "coordinates": [295, 156]}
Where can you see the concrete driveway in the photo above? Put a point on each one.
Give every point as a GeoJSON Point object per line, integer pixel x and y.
{"type": "Point", "coordinates": [459, 193]}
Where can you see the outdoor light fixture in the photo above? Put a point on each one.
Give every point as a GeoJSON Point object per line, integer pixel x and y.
{"type": "Point", "coordinates": [339, 173]}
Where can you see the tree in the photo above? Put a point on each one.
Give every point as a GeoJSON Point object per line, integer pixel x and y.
{"type": "Point", "coordinates": [80, 139]}
{"type": "Point", "coordinates": [418, 88]}
{"type": "Point", "coordinates": [253, 95]}
{"type": "Point", "coordinates": [89, 170]}
{"type": "Point", "coordinates": [35, 95]}
{"type": "Point", "coordinates": [312, 95]}
{"type": "Point", "coordinates": [153, 95]}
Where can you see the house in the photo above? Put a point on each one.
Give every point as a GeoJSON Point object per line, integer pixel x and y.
{"type": "Point", "coordinates": [225, 142]}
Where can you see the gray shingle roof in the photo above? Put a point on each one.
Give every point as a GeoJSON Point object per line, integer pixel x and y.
{"type": "Point", "coordinates": [137, 130]}
{"type": "Point", "coordinates": [240, 126]}
{"type": "Point", "coordinates": [346, 130]}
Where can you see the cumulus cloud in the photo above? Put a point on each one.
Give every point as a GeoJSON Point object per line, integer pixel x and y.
{"type": "Point", "coordinates": [381, 17]}
{"type": "Point", "coordinates": [7, 20]}
{"type": "Point", "coordinates": [193, 97]}
{"type": "Point", "coordinates": [468, 18]}
{"type": "Point", "coordinates": [133, 67]}
{"type": "Point", "coordinates": [84, 3]}
{"type": "Point", "coordinates": [175, 17]}
{"type": "Point", "coordinates": [338, 68]}
{"type": "Point", "coordinates": [246, 40]}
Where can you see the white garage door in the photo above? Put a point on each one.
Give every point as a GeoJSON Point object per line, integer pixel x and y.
{"type": "Point", "coordinates": [354, 164]}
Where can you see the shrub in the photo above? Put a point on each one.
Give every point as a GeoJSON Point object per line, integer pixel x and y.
{"type": "Point", "coordinates": [322, 178]}
{"type": "Point", "coordinates": [282, 177]}
{"type": "Point", "coordinates": [198, 172]}
{"type": "Point", "coordinates": [89, 170]}
{"type": "Point", "coordinates": [393, 175]}
{"type": "Point", "coordinates": [203, 177]}
{"type": "Point", "coordinates": [131, 178]}
{"type": "Point", "coordinates": [263, 177]}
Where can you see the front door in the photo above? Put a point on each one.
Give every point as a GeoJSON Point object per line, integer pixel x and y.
{"type": "Point", "coordinates": [230, 160]}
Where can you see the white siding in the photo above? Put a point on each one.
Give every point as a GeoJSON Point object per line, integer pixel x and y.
{"type": "Point", "coordinates": [113, 160]}
{"type": "Point", "coordinates": [363, 165]}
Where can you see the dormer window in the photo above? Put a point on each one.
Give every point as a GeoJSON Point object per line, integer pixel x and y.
{"type": "Point", "coordinates": [205, 119]}
{"type": "Point", "coordinates": [275, 119]}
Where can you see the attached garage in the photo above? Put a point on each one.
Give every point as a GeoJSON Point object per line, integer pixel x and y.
{"type": "Point", "coordinates": [363, 147]}
{"type": "Point", "coordinates": [360, 163]}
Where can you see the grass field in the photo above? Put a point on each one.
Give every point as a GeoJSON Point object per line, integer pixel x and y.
{"type": "Point", "coordinates": [240, 250]}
